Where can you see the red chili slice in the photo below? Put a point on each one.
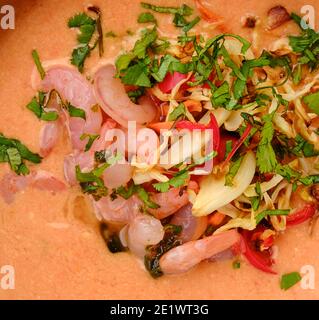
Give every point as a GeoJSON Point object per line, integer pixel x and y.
{"type": "Point", "coordinates": [258, 259]}
{"type": "Point", "coordinates": [213, 125]}
{"type": "Point", "coordinates": [170, 81]}
{"type": "Point", "coordinates": [239, 143]}
{"type": "Point", "coordinates": [301, 216]}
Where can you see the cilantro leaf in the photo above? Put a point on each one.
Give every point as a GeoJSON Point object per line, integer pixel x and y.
{"type": "Point", "coordinates": [312, 101]}
{"type": "Point", "coordinates": [79, 20]}
{"type": "Point", "coordinates": [184, 10]}
{"type": "Point", "coordinates": [141, 45]}
{"type": "Point", "coordinates": [290, 279]}
{"type": "Point", "coordinates": [79, 55]}
{"type": "Point", "coordinates": [38, 64]}
{"type": "Point", "coordinates": [137, 75]}
{"type": "Point", "coordinates": [221, 95]}
{"type": "Point", "coordinates": [146, 17]}
{"type": "Point", "coordinates": [232, 172]}
{"type": "Point", "coordinates": [266, 157]}
{"type": "Point", "coordinates": [38, 108]}
{"type": "Point", "coordinates": [76, 112]}
{"type": "Point", "coordinates": [15, 153]}
{"type": "Point", "coordinates": [177, 113]}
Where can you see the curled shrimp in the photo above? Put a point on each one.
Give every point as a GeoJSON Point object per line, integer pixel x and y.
{"type": "Point", "coordinates": [118, 210]}
{"type": "Point", "coordinates": [11, 184]}
{"type": "Point", "coordinates": [75, 89]}
{"type": "Point", "coordinates": [186, 256]}
{"type": "Point", "coordinates": [169, 202]}
{"type": "Point", "coordinates": [143, 231]}
{"type": "Point", "coordinates": [111, 96]}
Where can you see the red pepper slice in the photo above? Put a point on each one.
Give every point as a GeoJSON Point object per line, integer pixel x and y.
{"type": "Point", "coordinates": [239, 143]}
{"type": "Point", "coordinates": [213, 125]}
{"type": "Point", "coordinates": [170, 81]}
{"type": "Point", "coordinates": [301, 216]}
{"type": "Point", "coordinates": [260, 260]}
{"type": "Point", "coordinates": [224, 137]}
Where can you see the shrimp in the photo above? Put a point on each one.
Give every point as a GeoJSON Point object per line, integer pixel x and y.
{"type": "Point", "coordinates": [78, 92]}
{"type": "Point", "coordinates": [84, 160]}
{"type": "Point", "coordinates": [11, 184]}
{"type": "Point", "coordinates": [186, 256]}
{"type": "Point", "coordinates": [111, 177]}
{"type": "Point", "coordinates": [118, 210]}
{"type": "Point", "coordinates": [192, 227]}
{"type": "Point", "coordinates": [143, 231]}
{"type": "Point", "coordinates": [111, 96]}
{"type": "Point", "coordinates": [169, 202]}
{"type": "Point", "coordinates": [49, 136]}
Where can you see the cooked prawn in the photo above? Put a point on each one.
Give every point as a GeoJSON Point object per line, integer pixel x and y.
{"type": "Point", "coordinates": [169, 202]}
{"type": "Point", "coordinates": [78, 92]}
{"type": "Point", "coordinates": [111, 96]}
{"type": "Point", "coordinates": [186, 256]}
{"type": "Point", "coordinates": [143, 231]}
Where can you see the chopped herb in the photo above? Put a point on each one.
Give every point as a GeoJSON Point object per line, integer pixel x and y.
{"type": "Point", "coordinates": [312, 101]}
{"type": "Point", "coordinates": [236, 264]}
{"type": "Point", "coordinates": [110, 34]}
{"type": "Point", "coordinates": [92, 138]}
{"type": "Point", "coordinates": [221, 96]}
{"type": "Point", "coordinates": [132, 189]}
{"type": "Point", "coordinates": [191, 24]}
{"type": "Point", "coordinates": [76, 112]}
{"type": "Point", "coordinates": [228, 148]}
{"type": "Point", "coordinates": [38, 64]}
{"type": "Point", "coordinates": [137, 75]}
{"type": "Point", "coordinates": [266, 157]}
{"type": "Point", "coordinates": [80, 20]}
{"type": "Point", "coordinates": [38, 108]}
{"type": "Point", "coordinates": [134, 95]}
{"type": "Point", "coordinates": [287, 172]}
{"type": "Point", "coordinates": [155, 252]}
{"type": "Point", "coordinates": [233, 170]}
{"type": "Point", "coordinates": [306, 45]}
{"type": "Point", "coordinates": [79, 55]}
{"type": "Point", "coordinates": [184, 10]}
{"type": "Point", "coordinates": [87, 27]}
{"type": "Point", "coordinates": [91, 182]}
{"type": "Point", "coordinates": [255, 201]}
{"type": "Point", "coordinates": [177, 113]}
{"type": "Point", "coordinates": [290, 279]}
{"type": "Point", "coordinates": [15, 153]}
{"type": "Point", "coordinates": [266, 213]}
{"type": "Point", "coordinates": [304, 148]}
{"type": "Point", "coordinates": [310, 180]}
{"type": "Point", "coordinates": [177, 181]}
{"type": "Point", "coordinates": [146, 17]}
{"type": "Point", "coordinates": [181, 177]}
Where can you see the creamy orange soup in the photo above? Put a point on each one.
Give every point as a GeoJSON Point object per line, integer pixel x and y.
{"type": "Point", "coordinates": [53, 240]}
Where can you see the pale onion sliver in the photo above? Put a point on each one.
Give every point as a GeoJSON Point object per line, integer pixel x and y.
{"type": "Point", "coordinates": [214, 194]}
{"type": "Point", "coordinates": [264, 186]}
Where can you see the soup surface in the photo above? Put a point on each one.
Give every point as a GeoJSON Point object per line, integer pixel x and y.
{"type": "Point", "coordinates": [53, 240]}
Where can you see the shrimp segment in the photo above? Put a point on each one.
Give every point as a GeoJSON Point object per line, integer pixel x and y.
{"type": "Point", "coordinates": [118, 210]}
{"type": "Point", "coordinates": [143, 231]}
{"type": "Point", "coordinates": [182, 258]}
{"type": "Point", "coordinates": [169, 202]}
{"type": "Point", "coordinates": [110, 94]}
{"type": "Point", "coordinates": [78, 92]}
